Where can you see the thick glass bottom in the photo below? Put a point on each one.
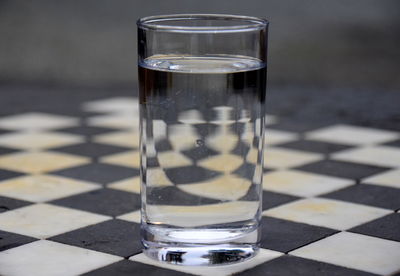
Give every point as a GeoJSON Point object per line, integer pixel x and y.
{"type": "Point", "coordinates": [199, 252]}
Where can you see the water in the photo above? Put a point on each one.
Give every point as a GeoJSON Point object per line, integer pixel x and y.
{"type": "Point", "coordinates": [202, 140]}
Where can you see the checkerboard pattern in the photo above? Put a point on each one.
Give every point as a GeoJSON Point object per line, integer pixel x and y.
{"type": "Point", "coordinates": [69, 196]}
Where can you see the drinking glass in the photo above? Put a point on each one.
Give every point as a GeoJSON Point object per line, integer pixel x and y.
{"type": "Point", "coordinates": [202, 80]}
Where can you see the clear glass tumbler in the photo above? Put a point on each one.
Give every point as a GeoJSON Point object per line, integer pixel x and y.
{"type": "Point", "coordinates": [202, 80]}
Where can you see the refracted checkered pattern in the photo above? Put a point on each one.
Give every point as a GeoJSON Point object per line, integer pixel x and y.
{"type": "Point", "coordinates": [69, 195]}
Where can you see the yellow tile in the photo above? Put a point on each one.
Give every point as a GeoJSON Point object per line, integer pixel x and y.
{"type": "Point", "coordinates": [222, 141]}
{"type": "Point", "coordinates": [129, 185]}
{"type": "Point", "coordinates": [156, 177]}
{"type": "Point", "coordinates": [303, 184]}
{"type": "Point", "coordinates": [329, 213]}
{"type": "Point", "coordinates": [128, 159]}
{"type": "Point", "coordinates": [226, 187]}
{"type": "Point", "coordinates": [132, 216]}
{"type": "Point", "coordinates": [252, 155]}
{"type": "Point", "coordinates": [222, 162]}
{"type": "Point", "coordinates": [204, 214]}
{"type": "Point", "coordinates": [182, 136]}
{"type": "Point", "coordinates": [280, 158]}
{"type": "Point", "coordinates": [172, 159]}
{"type": "Point", "coordinates": [40, 162]}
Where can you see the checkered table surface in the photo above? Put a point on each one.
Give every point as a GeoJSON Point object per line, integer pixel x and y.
{"type": "Point", "coordinates": [69, 198]}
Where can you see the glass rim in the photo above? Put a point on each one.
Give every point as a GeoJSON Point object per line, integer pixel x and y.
{"type": "Point", "coordinates": [153, 23]}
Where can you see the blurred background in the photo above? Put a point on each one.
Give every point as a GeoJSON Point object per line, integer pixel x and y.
{"type": "Point", "coordinates": [328, 60]}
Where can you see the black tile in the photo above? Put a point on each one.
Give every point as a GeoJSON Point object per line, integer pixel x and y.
{"type": "Point", "coordinates": [242, 149]}
{"type": "Point", "coordinates": [268, 170]}
{"type": "Point", "coordinates": [116, 237]}
{"type": "Point", "coordinates": [152, 162]}
{"type": "Point", "coordinates": [342, 169]}
{"type": "Point", "coordinates": [294, 126]}
{"type": "Point", "coordinates": [10, 240]}
{"type": "Point", "coordinates": [205, 130]}
{"type": "Point", "coordinates": [200, 152]}
{"type": "Point", "coordinates": [170, 195]}
{"type": "Point", "coordinates": [284, 236]}
{"type": "Point", "coordinates": [190, 174]}
{"type": "Point", "coordinates": [314, 146]}
{"type": "Point", "coordinates": [246, 170]}
{"type": "Point", "coordinates": [86, 130]}
{"type": "Point", "coordinates": [5, 131]}
{"type": "Point", "coordinates": [91, 149]}
{"type": "Point", "coordinates": [272, 199]}
{"type": "Point", "coordinates": [97, 172]}
{"type": "Point", "coordinates": [252, 193]}
{"type": "Point", "coordinates": [395, 143]}
{"type": "Point", "coordinates": [295, 266]}
{"type": "Point", "coordinates": [130, 268]}
{"type": "Point", "coordinates": [7, 203]}
{"type": "Point", "coordinates": [4, 150]}
{"type": "Point", "coordinates": [6, 174]}
{"type": "Point", "coordinates": [379, 196]}
{"type": "Point", "coordinates": [387, 227]}
{"type": "Point", "coordinates": [104, 201]}
{"type": "Point", "coordinates": [163, 145]}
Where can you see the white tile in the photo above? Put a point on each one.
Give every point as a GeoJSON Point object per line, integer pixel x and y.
{"type": "Point", "coordinates": [45, 220]}
{"type": "Point", "coordinates": [226, 187]}
{"type": "Point", "coordinates": [113, 105]}
{"type": "Point", "coordinates": [38, 140]}
{"type": "Point", "coordinates": [223, 115]}
{"type": "Point", "coordinates": [389, 178]}
{"type": "Point", "coordinates": [120, 138]}
{"type": "Point", "coordinates": [352, 135]}
{"type": "Point", "coordinates": [280, 158]}
{"type": "Point", "coordinates": [126, 158]}
{"type": "Point", "coordinates": [131, 216]}
{"type": "Point", "coordinates": [159, 130]}
{"type": "Point", "coordinates": [40, 162]}
{"type": "Point", "coordinates": [302, 184]}
{"type": "Point", "coordinates": [37, 121]}
{"type": "Point", "coordinates": [47, 258]}
{"type": "Point", "coordinates": [355, 251]}
{"type": "Point", "coordinates": [270, 119]}
{"type": "Point", "coordinates": [124, 121]}
{"type": "Point", "coordinates": [329, 213]}
{"type": "Point", "coordinates": [273, 137]}
{"type": "Point", "coordinates": [40, 188]}
{"type": "Point", "coordinates": [378, 155]}
{"type": "Point", "coordinates": [191, 117]}
{"type": "Point", "coordinates": [263, 256]}
{"type": "Point", "coordinates": [131, 184]}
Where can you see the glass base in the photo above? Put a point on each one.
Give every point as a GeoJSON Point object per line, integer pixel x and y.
{"type": "Point", "coordinates": [189, 254]}
{"type": "Point", "coordinates": [213, 252]}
